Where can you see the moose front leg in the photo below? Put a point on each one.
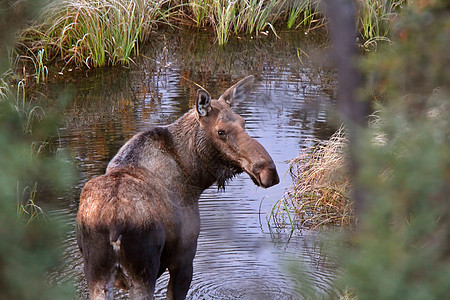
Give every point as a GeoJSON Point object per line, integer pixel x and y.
{"type": "Point", "coordinates": [180, 280]}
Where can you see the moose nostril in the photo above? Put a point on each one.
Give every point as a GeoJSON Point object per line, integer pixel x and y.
{"type": "Point", "coordinates": [276, 178]}
{"type": "Point", "coordinates": [268, 177]}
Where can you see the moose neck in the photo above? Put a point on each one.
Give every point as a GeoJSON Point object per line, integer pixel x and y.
{"type": "Point", "coordinates": [196, 156]}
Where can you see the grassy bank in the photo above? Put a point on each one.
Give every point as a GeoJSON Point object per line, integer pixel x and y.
{"type": "Point", "coordinates": [110, 32]}
{"type": "Point", "coordinates": [94, 33]}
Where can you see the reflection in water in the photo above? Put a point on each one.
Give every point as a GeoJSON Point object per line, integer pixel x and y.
{"type": "Point", "coordinates": [238, 256]}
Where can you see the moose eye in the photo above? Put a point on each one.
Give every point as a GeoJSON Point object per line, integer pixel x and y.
{"type": "Point", "coordinates": [221, 133]}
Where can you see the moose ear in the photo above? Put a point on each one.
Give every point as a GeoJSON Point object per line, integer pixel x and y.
{"type": "Point", "coordinates": [239, 91]}
{"type": "Point", "coordinates": [203, 103]}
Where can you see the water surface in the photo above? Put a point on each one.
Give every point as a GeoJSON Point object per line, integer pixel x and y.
{"type": "Point", "coordinates": [239, 256]}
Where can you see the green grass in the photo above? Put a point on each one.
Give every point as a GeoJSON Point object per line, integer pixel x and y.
{"type": "Point", "coordinates": [30, 242]}
{"type": "Point", "coordinates": [374, 17]}
{"type": "Point", "coordinates": [256, 16]}
{"type": "Point", "coordinates": [223, 15]}
{"type": "Point", "coordinates": [27, 112]}
{"type": "Point", "coordinates": [5, 89]}
{"type": "Point", "coordinates": [304, 14]}
{"type": "Point", "coordinates": [199, 11]}
{"type": "Point", "coordinates": [238, 17]}
{"type": "Point", "coordinates": [33, 65]}
{"type": "Point", "coordinates": [110, 32]}
{"type": "Point", "coordinates": [95, 33]}
{"type": "Point", "coordinates": [28, 210]}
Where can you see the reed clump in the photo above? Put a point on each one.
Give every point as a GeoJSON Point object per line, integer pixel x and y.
{"type": "Point", "coordinates": [260, 16]}
{"type": "Point", "coordinates": [251, 16]}
{"type": "Point", "coordinates": [374, 20]}
{"type": "Point", "coordinates": [94, 33]}
{"type": "Point", "coordinates": [319, 194]}
{"type": "Point", "coordinates": [240, 16]}
{"type": "Point", "coordinates": [110, 32]}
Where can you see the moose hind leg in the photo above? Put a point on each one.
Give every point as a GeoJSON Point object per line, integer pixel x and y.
{"type": "Point", "coordinates": [180, 280]}
{"type": "Point", "coordinates": [140, 258]}
{"type": "Point", "coordinates": [142, 291]}
{"type": "Point", "coordinates": [99, 264]}
{"type": "Point", "coordinates": [102, 289]}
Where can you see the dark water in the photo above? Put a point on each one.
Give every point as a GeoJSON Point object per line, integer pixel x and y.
{"type": "Point", "coordinates": [239, 256]}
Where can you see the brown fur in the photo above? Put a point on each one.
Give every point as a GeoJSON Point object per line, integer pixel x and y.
{"type": "Point", "coordinates": [142, 217]}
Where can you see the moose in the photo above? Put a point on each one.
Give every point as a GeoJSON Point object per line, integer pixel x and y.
{"type": "Point", "coordinates": [142, 216]}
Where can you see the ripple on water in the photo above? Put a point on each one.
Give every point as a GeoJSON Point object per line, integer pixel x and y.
{"type": "Point", "coordinates": [238, 255]}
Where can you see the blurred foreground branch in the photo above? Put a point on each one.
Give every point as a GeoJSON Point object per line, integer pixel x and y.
{"type": "Point", "coordinates": [341, 14]}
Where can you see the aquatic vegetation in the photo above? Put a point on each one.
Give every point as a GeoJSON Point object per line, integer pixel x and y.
{"type": "Point", "coordinates": [222, 20]}
{"type": "Point", "coordinates": [305, 14]}
{"type": "Point", "coordinates": [374, 19]}
{"type": "Point", "coordinates": [321, 187]}
{"type": "Point", "coordinates": [256, 16]}
{"type": "Point", "coordinates": [5, 89]}
{"type": "Point", "coordinates": [110, 32]}
{"type": "Point", "coordinates": [241, 16]}
{"type": "Point", "coordinates": [29, 210]}
{"type": "Point", "coordinates": [94, 33]}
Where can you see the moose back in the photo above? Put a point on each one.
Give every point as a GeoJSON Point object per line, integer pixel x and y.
{"type": "Point", "coordinates": [142, 217]}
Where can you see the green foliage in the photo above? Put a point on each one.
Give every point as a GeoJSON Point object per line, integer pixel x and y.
{"type": "Point", "coordinates": [401, 249]}
{"type": "Point", "coordinates": [29, 240]}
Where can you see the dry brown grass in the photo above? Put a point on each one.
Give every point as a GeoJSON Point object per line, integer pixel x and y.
{"type": "Point", "coordinates": [319, 194]}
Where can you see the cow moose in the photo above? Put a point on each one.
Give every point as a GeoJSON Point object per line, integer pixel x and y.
{"type": "Point", "coordinates": [142, 216]}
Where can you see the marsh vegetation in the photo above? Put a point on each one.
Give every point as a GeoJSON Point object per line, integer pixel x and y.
{"type": "Point", "coordinates": [111, 32]}
{"type": "Point", "coordinates": [320, 191]}
{"type": "Point", "coordinates": [404, 227]}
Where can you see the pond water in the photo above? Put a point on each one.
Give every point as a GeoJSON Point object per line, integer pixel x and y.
{"type": "Point", "coordinates": [239, 256]}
